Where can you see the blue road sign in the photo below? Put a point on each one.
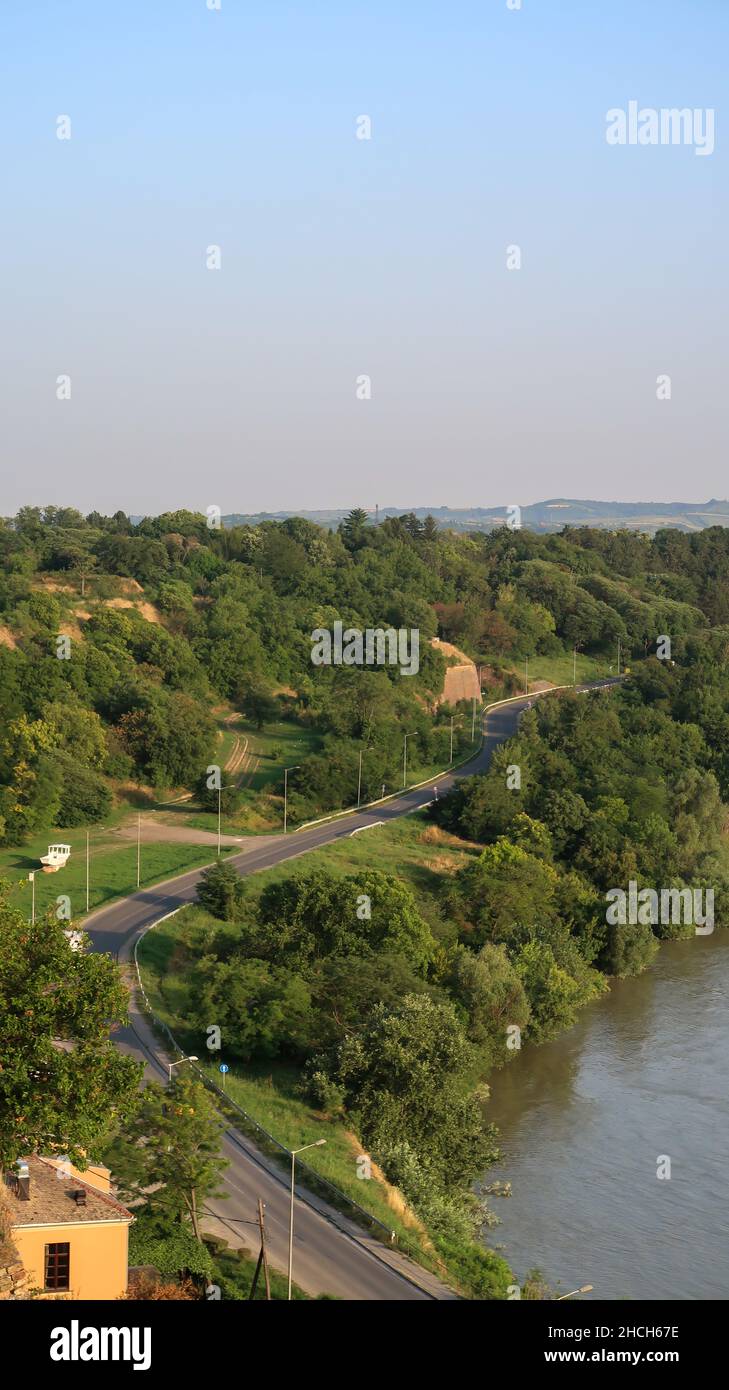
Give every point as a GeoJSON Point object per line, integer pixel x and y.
{"type": "Point", "coordinates": [223, 1067]}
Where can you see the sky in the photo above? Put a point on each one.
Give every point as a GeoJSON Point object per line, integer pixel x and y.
{"type": "Point", "coordinates": [363, 340]}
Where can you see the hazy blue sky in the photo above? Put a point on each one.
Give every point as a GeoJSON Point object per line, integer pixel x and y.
{"type": "Point", "coordinates": [342, 257]}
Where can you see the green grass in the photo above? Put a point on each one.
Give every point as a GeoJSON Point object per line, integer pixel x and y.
{"type": "Point", "coordinates": [294, 743]}
{"type": "Point", "coordinates": [113, 870]}
{"type": "Point", "coordinates": [398, 848]}
{"type": "Point", "coordinates": [235, 1270]}
{"type": "Point", "coordinates": [559, 669]}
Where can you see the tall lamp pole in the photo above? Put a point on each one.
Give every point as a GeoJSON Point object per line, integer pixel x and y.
{"type": "Point", "coordinates": [405, 760]}
{"type": "Point", "coordinates": [526, 676]}
{"type": "Point", "coordinates": [221, 789]}
{"type": "Point", "coordinates": [31, 876]}
{"type": "Point", "coordinates": [293, 1152]}
{"type": "Point", "coordinates": [139, 847]}
{"type": "Point", "coordinates": [359, 779]}
{"type": "Point", "coordinates": [87, 870]}
{"type": "Point", "coordinates": [287, 770]}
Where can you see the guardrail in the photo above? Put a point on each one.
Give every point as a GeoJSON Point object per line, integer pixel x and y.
{"type": "Point", "coordinates": [430, 781]}
{"type": "Point", "coordinates": [272, 1147]}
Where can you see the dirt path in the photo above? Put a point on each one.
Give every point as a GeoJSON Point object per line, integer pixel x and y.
{"type": "Point", "coordinates": [240, 758]}
{"type": "Point", "coordinates": [156, 831]}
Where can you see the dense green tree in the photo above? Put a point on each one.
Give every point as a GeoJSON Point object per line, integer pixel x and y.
{"type": "Point", "coordinates": [62, 1080]}
{"type": "Point", "coordinates": [169, 1152]}
{"type": "Point", "coordinates": [221, 890]}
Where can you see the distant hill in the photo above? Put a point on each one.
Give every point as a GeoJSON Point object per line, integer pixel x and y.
{"type": "Point", "coordinates": [547, 516]}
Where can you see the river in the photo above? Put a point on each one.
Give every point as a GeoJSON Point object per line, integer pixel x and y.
{"type": "Point", "coordinates": [583, 1122]}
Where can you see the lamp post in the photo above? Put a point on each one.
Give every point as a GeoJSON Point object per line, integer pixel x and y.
{"type": "Point", "coordinates": [405, 760]}
{"type": "Point", "coordinates": [139, 847]}
{"type": "Point", "coordinates": [526, 675]}
{"type": "Point", "coordinates": [473, 722]}
{"type": "Point", "coordinates": [586, 1288]}
{"type": "Point", "coordinates": [31, 876]}
{"type": "Point", "coordinates": [359, 779]}
{"type": "Point", "coordinates": [287, 770]}
{"type": "Point", "coordinates": [179, 1064]}
{"type": "Point", "coordinates": [220, 793]}
{"type": "Point", "coordinates": [98, 827]}
{"type": "Point", "coordinates": [293, 1152]}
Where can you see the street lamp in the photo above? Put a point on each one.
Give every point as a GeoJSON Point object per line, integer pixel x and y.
{"type": "Point", "coordinates": [287, 770]}
{"type": "Point", "coordinates": [98, 827]}
{"type": "Point", "coordinates": [293, 1152]}
{"type": "Point", "coordinates": [405, 760]}
{"type": "Point", "coordinates": [586, 1288]}
{"type": "Point", "coordinates": [220, 791]}
{"type": "Point", "coordinates": [359, 779]}
{"type": "Point", "coordinates": [179, 1064]}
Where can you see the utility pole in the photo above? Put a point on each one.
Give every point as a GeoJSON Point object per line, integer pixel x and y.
{"type": "Point", "coordinates": [262, 1258]}
{"type": "Point", "coordinates": [293, 1153]}
{"type": "Point", "coordinates": [526, 676]}
{"type": "Point", "coordinates": [574, 666]}
{"type": "Point", "coordinates": [451, 738]}
{"type": "Point", "coordinates": [359, 779]}
{"type": "Point", "coordinates": [87, 870]}
{"type": "Point", "coordinates": [139, 847]}
{"type": "Point", "coordinates": [220, 794]}
{"type": "Point", "coordinates": [473, 722]}
{"type": "Point", "coordinates": [287, 770]}
{"type": "Point", "coordinates": [618, 656]}
{"type": "Point", "coordinates": [31, 876]}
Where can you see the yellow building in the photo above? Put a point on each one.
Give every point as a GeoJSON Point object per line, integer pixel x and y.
{"type": "Point", "coordinates": [70, 1232]}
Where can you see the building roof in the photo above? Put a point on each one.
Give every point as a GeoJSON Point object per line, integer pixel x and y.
{"type": "Point", "coordinates": [52, 1201]}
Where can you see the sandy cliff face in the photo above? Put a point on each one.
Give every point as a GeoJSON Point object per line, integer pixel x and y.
{"type": "Point", "coordinates": [461, 679]}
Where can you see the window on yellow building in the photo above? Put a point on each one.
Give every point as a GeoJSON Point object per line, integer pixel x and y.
{"type": "Point", "coordinates": [57, 1265]}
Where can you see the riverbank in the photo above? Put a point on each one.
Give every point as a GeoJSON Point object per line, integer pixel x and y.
{"type": "Point", "coordinates": [585, 1120]}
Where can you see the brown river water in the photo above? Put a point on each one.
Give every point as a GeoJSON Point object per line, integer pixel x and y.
{"type": "Point", "coordinates": [585, 1119]}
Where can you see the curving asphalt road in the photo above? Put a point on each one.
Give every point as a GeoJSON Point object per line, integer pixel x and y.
{"type": "Point", "coordinates": [331, 1255]}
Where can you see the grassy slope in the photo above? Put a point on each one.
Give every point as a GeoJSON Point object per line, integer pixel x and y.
{"type": "Point", "coordinates": [559, 669]}
{"type": "Point", "coordinates": [113, 869]}
{"type": "Point", "coordinates": [420, 854]}
{"type": "Point", "coordinates": [267, 1092]}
